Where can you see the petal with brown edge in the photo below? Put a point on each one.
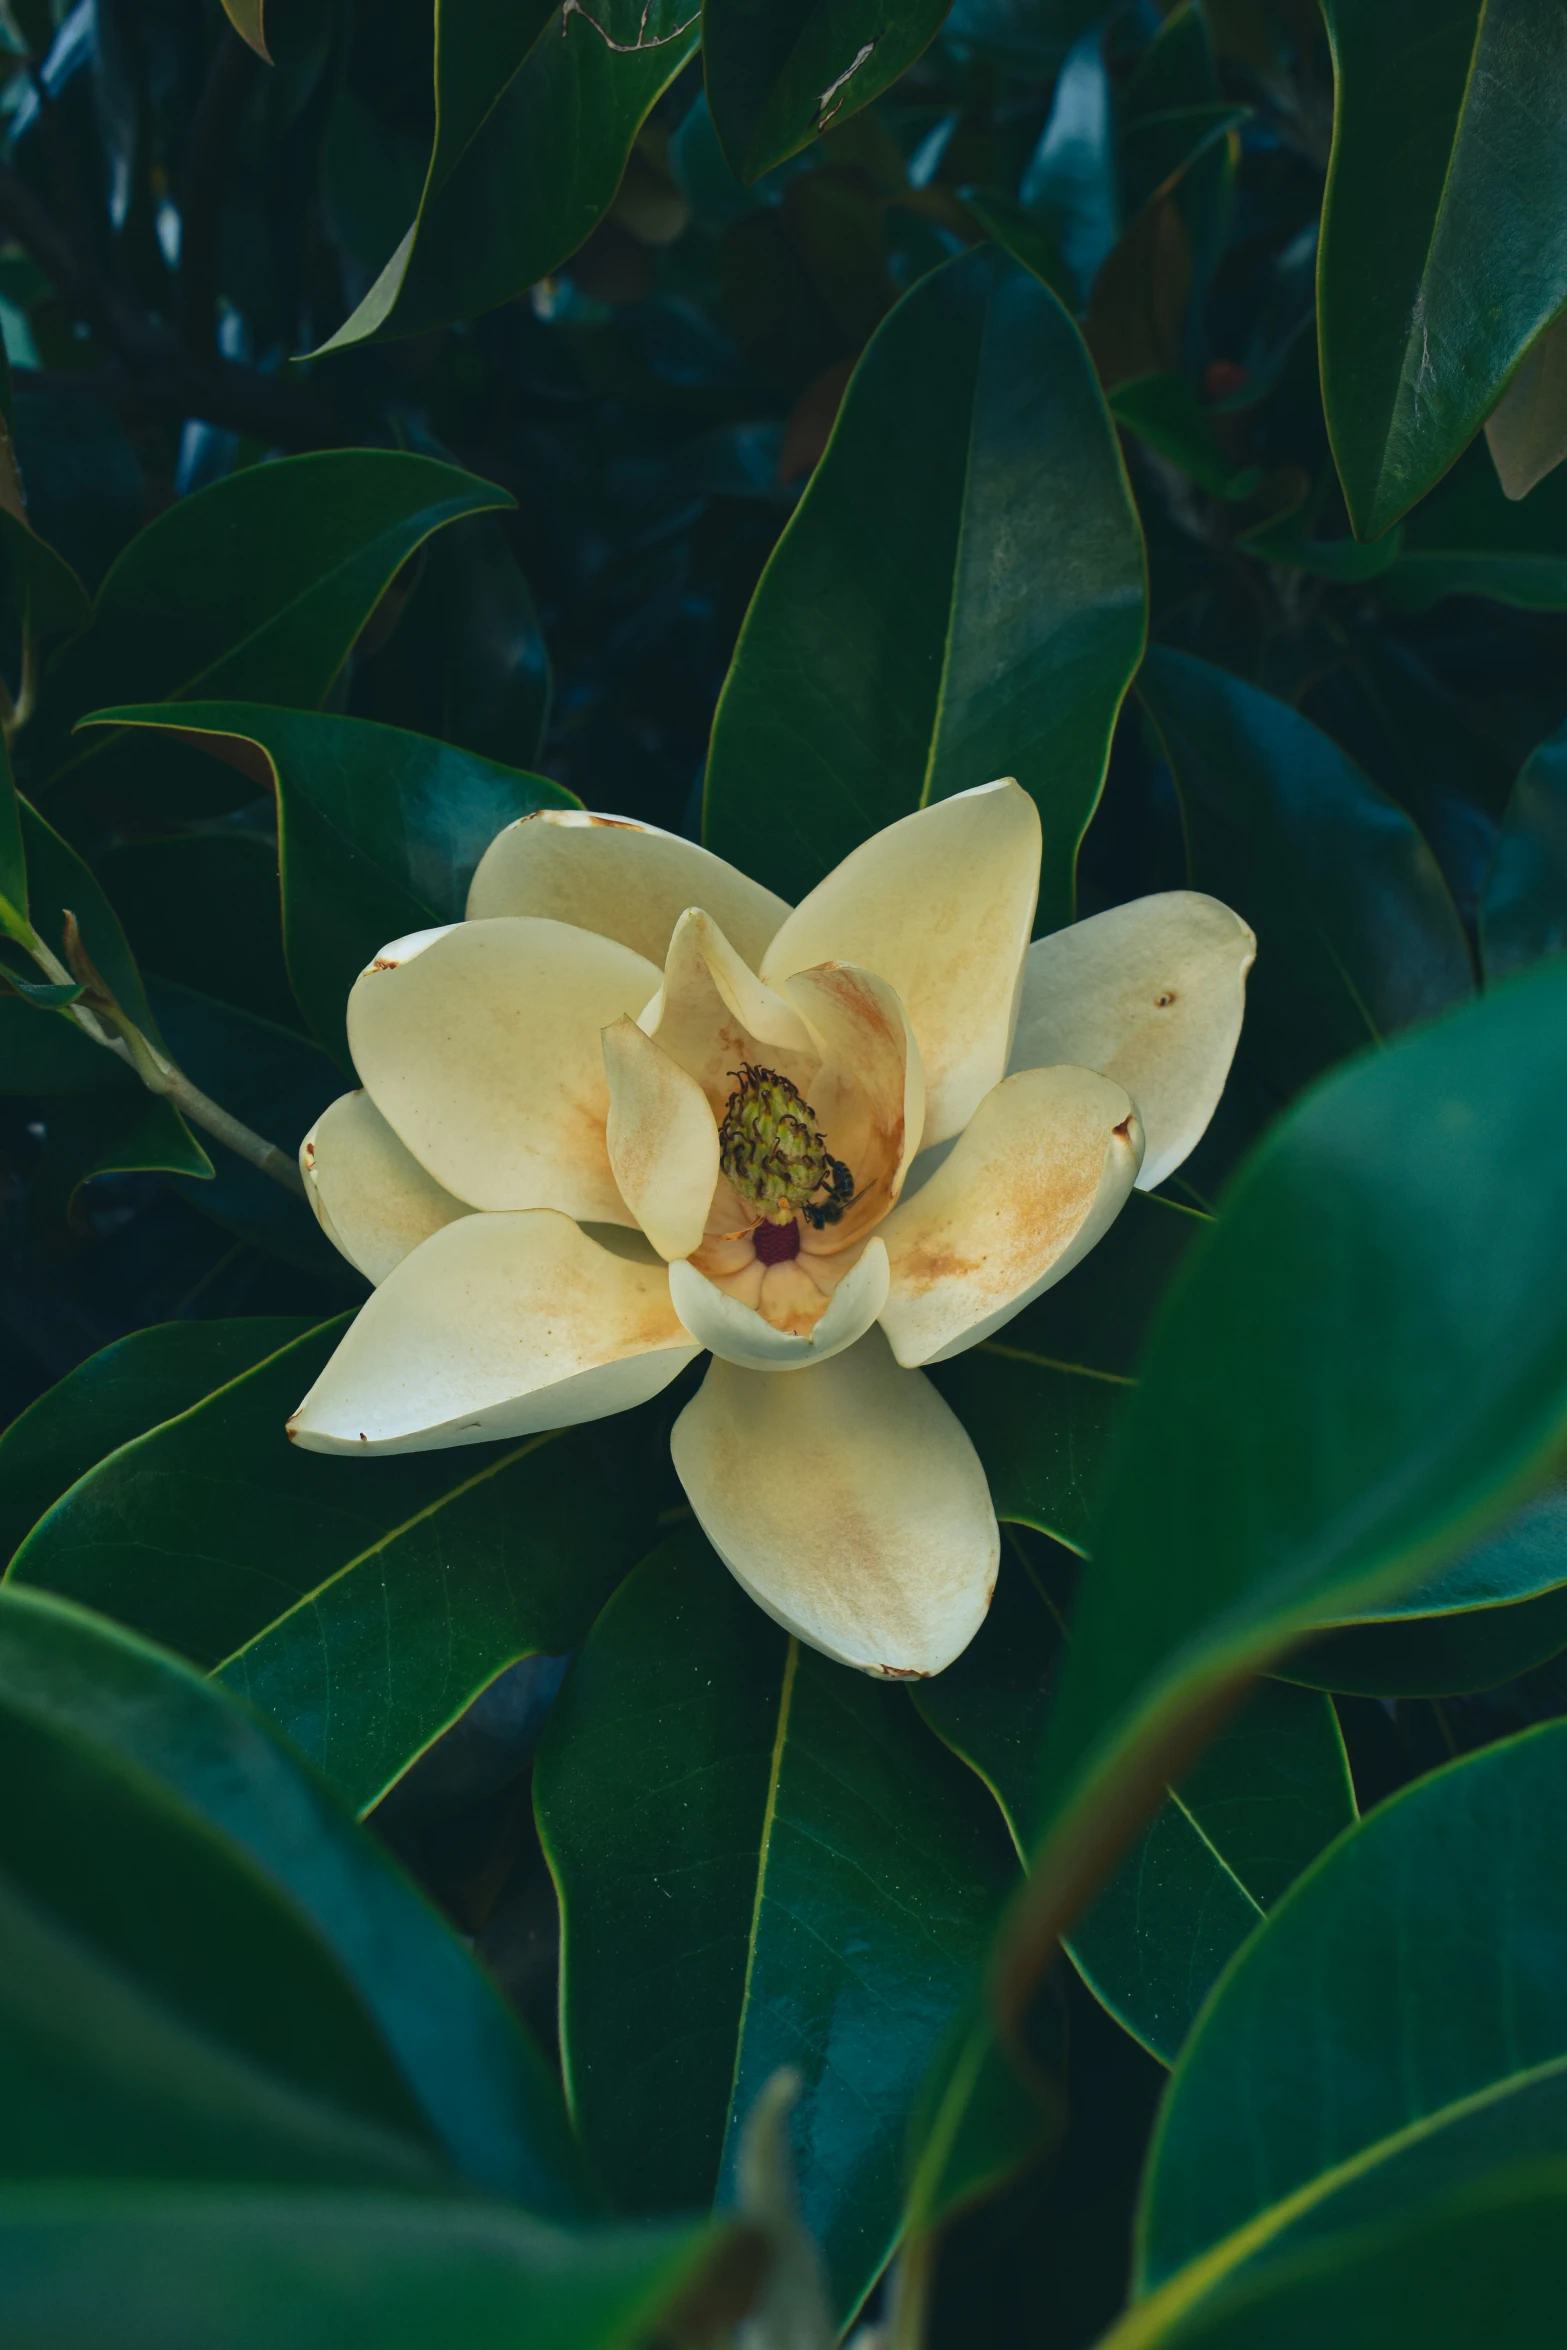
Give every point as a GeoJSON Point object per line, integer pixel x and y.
{"type": "Point", "coordinates": [481, 1049]}
{"type": "Point", "coordinates": [849, 1503]}
{"type": "Point", "coordinates": [497, 1326]}
{"type": "Point", "coordinates": [374, 1201]}
{"type": "Point", "coordinates": [1152, 993]}
{"type": "Point", "coordinates": [1043, 1169]}
{"type": "Point", "coordinates": [663, 1140]}
{"type": "Point", "coordinates": [628, 880]}
{"type": "Point", "coordinates": [940, 906]}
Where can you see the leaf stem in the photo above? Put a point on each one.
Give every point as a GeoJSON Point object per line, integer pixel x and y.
{"type": "Point", "coordinates": [99, 1015]}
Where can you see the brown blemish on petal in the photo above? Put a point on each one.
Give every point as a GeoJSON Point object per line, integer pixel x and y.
{"type": "Point", "coordinates": [902, 1673]}
{"type": "Point", "coordinates": [927, 1263]}
{"type": "Point", "coordinates": [1162, 1002]}
{"type": "Point", "coordinates": [386, 963]}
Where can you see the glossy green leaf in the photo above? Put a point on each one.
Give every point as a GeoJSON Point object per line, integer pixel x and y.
{"type": "Point", "coordinates": [776, 75]}
{"type": "Point", "coordinates": [1523, 908]}
{"type": "Point", "coordinates": [130, 1133]}
{"type": "Point", "coordinates": [1468, 539]}
{"type": "Point", "coordinates": [103, 1854]}
{"type": "Point", "coordinates": [202, 908]}
{"type": "Point", "coordinates": [186, 2268]}
{"type": "Point", "coordinates": [104, 2075]}
{"type": "Point", "coordinates": [1358, 1371]}
{"type": "Point", "coordinates": [1157, 148]}
{"type": "Point", "coordinates": [116, 1395]}
{"type": "Point", "coordinates": [1397, 2028]}
{"type": "Point", "coordinates": [1480, 2265]}
{"type": "Point", "coordinates": [1070, 186]}
{"type": "Point", "coordinates": [1179, 134]}
{"type": "Point", "coordinates": [763, 1859]}
{"type": "Point", "coordinates": [1040, 1397]}
{"type": "Point", "coordinates": [1436, 1656]}
{"type": "Point", "coordinates": [1246, 1820]}
{"type": "Point", "coordinates": [1018, 233]}
{"type": "Point", "coordinates": [277, 1083]}
{"type": "Point", "coordinates": [115, 1126]}
{"type": "Point", "coordinates": [379, 832]}
{"type": "Point", "coordinates": [537, 110]}
{"type": "Point", "coordinates": [466, 661]}
{"type": "Point", "coordinates": [1526, 432]}
{"type": "Point", "coordinates": [1357, 936]}
{"type": "Point", "coordinates": [482, 2090]}
{"type": "Point", "coordinates": [254, 588]}
{"type": "Point", "coordinates": [1443, 250]}
{"type": "Point", "coordinates": [900, 649]}
{"type": "Point", "coordinates": [360, 1605]}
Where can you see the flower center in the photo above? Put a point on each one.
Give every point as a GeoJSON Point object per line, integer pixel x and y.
{"type": "Point", "coordinates": [775, 1244]}
{"type": "Point", "coordinates": [773, 1157]}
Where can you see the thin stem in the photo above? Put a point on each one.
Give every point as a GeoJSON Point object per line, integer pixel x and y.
{"type": "Point", "coordinates": [98, 1015]}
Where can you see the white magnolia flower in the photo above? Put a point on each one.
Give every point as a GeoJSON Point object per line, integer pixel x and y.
{"type": "Point", "coordinates": [635, 1106]}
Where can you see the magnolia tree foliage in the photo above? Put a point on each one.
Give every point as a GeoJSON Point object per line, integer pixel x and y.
{"type": "Point", "coordinates": [784, 832]}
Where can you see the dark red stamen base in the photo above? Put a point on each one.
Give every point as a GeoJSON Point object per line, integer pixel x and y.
{"type": "Point", "coordinates": [775, 1244]}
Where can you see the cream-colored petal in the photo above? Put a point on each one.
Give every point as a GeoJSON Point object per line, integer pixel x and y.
{"type": "Point", "coordinates": [1151, 993]}
{"type": "Point", "coordinates": [850, 1504]}
{"type": "Point", "coordinates": [663, 1140]}
{"type": "Point", "coordinates": [374, 1201]}
{"type": "Point", "coordinates": [712, 1013]}
{"type": "Point", "coordinates": [869, 1095]}
{"type": "Point", "coordinates": [630, 881]}
{"type": "Point", "coordinates": [497, 1326]}
{"type": "Point", "coordinates": [718, 1319]}
{"type": "Point", "coordinates": [482, 1050]}
{"type": "Point", "coordinates": [1041, 1172]}
{"type": "Point", "coordinates": [939, 905]}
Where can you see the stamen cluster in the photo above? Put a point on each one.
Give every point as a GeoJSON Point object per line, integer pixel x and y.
{"type": "Point", "coordinates": [773, 1156]}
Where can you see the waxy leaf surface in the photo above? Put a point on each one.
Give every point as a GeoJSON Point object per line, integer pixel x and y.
{"type": "Point", "coordinates": [900, 648]}
{"type": "Point", "coordinates": [360, 1605]}
{"type": "Point", "coordinates": [763, 1859]}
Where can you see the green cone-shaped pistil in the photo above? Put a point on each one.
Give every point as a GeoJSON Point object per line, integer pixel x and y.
{"type": "Point", "coordinates": [771, 1153]}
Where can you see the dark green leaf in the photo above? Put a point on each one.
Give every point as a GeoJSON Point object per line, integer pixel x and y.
{"type": "Point", "coordinates": [60, 882]}
{"type": "Point", "coordinates": [466, 662]}
{"type": "Point", "coordinates": [1467, 539]}
{"type": "Point", "coordinates": [481, 2089]}
{"type": "Point", "coordinates": [763, 1860]}
{"type": "Point", "coordinates": [1357, 936]}
{"type": "Point", "coordinates": [1523, 909]}
{"type": "Point", "coordinates": [379, 830]}
{"type": "Point", "coordinates": [46, 591]}
{"type": "Point", "coordinates": [13, 857]}
{"type": "Point", "coordinates": [202, 908]}
{"type": "Point", "coordinates": [114, 1396]}
{"type": "Point", "coordinates": [254, 588]}
{"type": "Point", "coordinates": [361, 1605]}
{"type": "Point", "coordinates": [899, 649]}
{"type": "Point", "coordinates": [1436, 1656]}
{"type": "Point", "coordinates": [1357, 1372]}
{"type": "Point", "coordinates": [1443, 250]}
{"type": "Point", "coordinates": [538, 111]}
{"type": "Point", "coordinates": [778, 74]}
{"type": "Point", "coordinates": [1253, 1813]}
{"type": "Point", "coordinates": [1019, 234]}
{"type": "Point", "coordinates": [1481, 2265]}
{"type": "Point", "coordinates": [130, 1133]}
{"type": "Point", "coordinates": [101, 1852]}
{"type": "Point", "coordinates": [1040, 1397]}
{"type": "Point", "coordinates": [1398, 2027]}
{"type": "Point", "coordinates": [184, 2268]}
{"type": "Point", "coordinates": [1157, 148]}
{"type": "Point", "coordinates": [276, 1083]}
